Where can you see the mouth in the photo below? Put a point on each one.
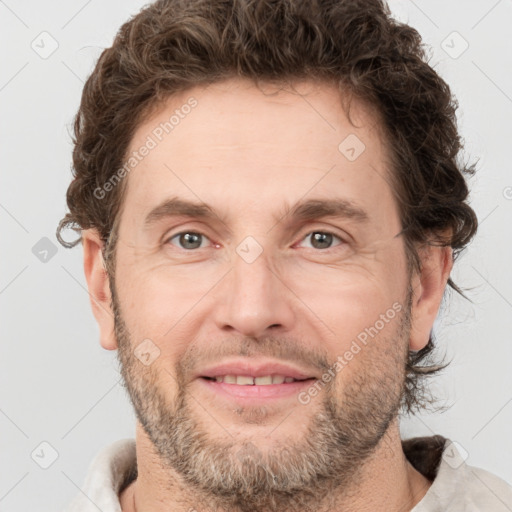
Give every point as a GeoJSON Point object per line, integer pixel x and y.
{"type": "Point", "coordinates": [249, 390]}
{"type": "Point", "coordinates": [255, 381]}
{"type": "Point", "coordinates": [247, 380]}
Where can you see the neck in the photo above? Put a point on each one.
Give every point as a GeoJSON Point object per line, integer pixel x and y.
{"type": "Point", "coordinates": [385, 477]}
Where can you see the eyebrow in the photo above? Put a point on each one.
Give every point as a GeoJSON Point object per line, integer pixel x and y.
{"type": "Point", "coordinates": [302, 210]}
{"type": "Point", "coordinates": [174, 207]}
{"type": "Point", "coordinates": [318, 208]}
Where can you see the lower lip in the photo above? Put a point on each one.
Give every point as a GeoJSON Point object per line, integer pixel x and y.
{"type": "Point", "coordinates": [255, 392]}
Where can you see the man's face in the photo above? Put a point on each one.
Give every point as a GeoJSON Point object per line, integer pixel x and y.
{"type": "Point", "coordinates": [253, 284]}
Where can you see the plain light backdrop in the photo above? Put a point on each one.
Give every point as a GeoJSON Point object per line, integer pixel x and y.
{"type": "Point", "coordinates": [60, 388]}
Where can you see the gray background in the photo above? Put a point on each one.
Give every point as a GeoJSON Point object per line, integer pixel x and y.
{"type": "Point", "coordinates": [60, 387]}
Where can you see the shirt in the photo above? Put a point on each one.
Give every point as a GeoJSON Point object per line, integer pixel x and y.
{"type": "Point", "coordinates": [456, 486]}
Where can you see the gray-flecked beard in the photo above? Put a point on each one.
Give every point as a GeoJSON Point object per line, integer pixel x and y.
{"type": "Point", "coordinates": [236, 476]}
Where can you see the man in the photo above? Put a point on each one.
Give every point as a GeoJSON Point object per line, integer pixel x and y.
{"type": "Point", "coordinates": [270, 205]}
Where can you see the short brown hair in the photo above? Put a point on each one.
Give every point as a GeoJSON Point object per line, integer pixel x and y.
{"type": "Point", "coordinates": [173, 45]}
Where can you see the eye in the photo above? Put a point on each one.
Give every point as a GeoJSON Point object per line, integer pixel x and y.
{"type": "Point", "coordinates": [188, 240]}
{"type": "Point", "coordinates": [322, 239]}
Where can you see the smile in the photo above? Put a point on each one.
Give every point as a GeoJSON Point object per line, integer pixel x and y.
{"type": "Point", "coordinates": [245, 380]}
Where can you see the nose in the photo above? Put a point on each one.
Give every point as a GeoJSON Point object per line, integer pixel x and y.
{"type": "Point", "coordinates": [253, 299]}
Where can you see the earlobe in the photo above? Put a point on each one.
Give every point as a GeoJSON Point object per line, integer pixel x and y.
{"type": "Point", "coordinates": [428, 288]}
{"type": "Point", "coordinates": [99, 287]}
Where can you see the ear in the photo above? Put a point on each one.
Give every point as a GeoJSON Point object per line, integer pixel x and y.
{"type": "Point", "coordinates": [99, 287]}
{"type": "Point", "coordinates": [428, 288]}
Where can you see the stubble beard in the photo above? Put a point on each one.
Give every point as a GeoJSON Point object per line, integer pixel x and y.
{"type": "Point", "coordinates": [237, 476]}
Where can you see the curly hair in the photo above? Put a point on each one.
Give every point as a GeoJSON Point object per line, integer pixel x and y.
{"type": "Point", "coordinates": [173, 45]}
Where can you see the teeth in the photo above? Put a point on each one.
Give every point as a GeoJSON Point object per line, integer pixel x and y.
{"type": "Point", "coordinates": [245, 380]}
{"type": "Point", "coordinates": [262, 380]}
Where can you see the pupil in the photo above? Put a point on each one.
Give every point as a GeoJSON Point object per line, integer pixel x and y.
{"type": "Point", "coordinates": [190, 238]}
{"type": "Point", "coordinates": [321, 238]}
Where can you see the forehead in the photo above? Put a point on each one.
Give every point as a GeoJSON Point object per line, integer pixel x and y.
{"type": "Point", "coordinates": [240, 148]}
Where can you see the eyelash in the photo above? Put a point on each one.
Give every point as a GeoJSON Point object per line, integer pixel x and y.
{"type": "Point", "coordinates": [309, 233]}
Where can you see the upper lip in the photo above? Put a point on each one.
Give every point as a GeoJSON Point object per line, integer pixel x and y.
{"type": "Point", "coordinates": [254, 368]}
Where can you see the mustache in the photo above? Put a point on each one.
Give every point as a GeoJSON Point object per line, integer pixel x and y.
{"type": "Point", "coordinates": [200, 354]}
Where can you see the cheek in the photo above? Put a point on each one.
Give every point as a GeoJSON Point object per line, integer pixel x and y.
{"type": "Point", "coordinates": [364, 339]}
{"type": "Point", "coordinates": [353, 313]}
{"type": "Point", "coordinates": [159, 303]}
{"type": "Point", "coordinates": [363, 314]}
{"type": "Point", "coordinates": [351, 292]}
